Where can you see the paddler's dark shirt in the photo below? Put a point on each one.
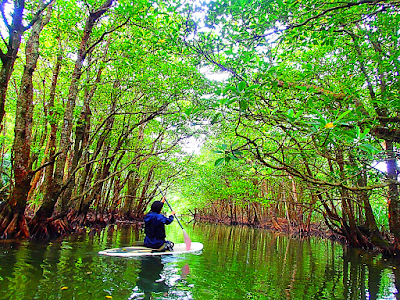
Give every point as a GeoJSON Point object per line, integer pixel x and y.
{"type": "Point", "coordinates": [155, 229]}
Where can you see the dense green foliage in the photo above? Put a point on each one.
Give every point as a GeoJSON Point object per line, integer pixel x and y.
{"type": "Point", "coordinates": [313, 104]}
{"type": "Point", "coordinates": [97, 99]}
{"type": "Point", "coordinates": [104, 115]}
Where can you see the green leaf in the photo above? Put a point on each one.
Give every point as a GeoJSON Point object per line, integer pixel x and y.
{"type": "Point", "coordinates": [230, 88]}
{"type": "Point", "coordinates": [223, 101]}
{"type": "Point", "coordinates": [219, 162]}
{"type": "Point", "coordinates": [342, 115]}
{"type": "Point", "coordinates": [299, 113]}
{"type": "Point", "coordinates": [369, 148]}
{"type": "Point", "coordinates": [349, 134]}
{"type": "Point", "coordinates": [188, 111]}
{"type": "Point", "coordinates": [222, 147]}
{"type": "Point", "coordinates": [302, 88]}
{"type": "Point", "coordinates": [252, 87]}
{"type": "Point", "coordinates": [243, 104]}
{"type": "Point", "coordinates": [215, 119]}
{"type": "Point", "coordinates": [230, 101]}
{"type": "Point", "coordinates": [358, 133]}
{"type": "Point", "coordinates": [274, 111]}
{"type": "Point", "coordinates": [241, 86]}
{"type": "Point", "coordinates": [233, 157]}
{"type": "Point", "coordinates": [365, 132]}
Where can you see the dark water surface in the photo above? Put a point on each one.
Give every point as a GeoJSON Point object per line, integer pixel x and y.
{"type": "Point", "coordinates": [236, 263]}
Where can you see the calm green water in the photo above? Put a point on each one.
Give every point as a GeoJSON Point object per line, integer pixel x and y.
{"type": "Point", "coordinates": [236, 263]}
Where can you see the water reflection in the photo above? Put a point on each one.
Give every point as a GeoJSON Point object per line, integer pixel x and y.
{"type": "Point", "coordinates": [274, 266]}
{"type": "Point", "coordinates": [149, 277]}
{"type": "Point", "coordinates": [236, 263]}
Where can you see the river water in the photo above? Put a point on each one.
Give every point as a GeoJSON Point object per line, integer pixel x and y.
{"type": "Point", "coordinates": [236, 263]}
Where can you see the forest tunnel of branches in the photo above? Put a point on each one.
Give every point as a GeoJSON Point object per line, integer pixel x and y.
{"type": "Point", "coordinates": [281, 114]}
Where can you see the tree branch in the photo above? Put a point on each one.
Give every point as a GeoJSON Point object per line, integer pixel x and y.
{"type": "Point", "coordinates": [37, 15]}
{"type": "Point", "coordinates": [103, 35]}
{"type": "Point", "coordinates": [50, 162]}
{"type": "Point", "coordinates": [347, 5]}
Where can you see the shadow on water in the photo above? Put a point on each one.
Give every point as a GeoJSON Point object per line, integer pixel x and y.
{"type": "Point", "coordinates": [236, 263]}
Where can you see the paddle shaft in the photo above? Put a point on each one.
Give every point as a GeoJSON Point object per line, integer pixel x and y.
{"type": "Point", "coordinates": [170, 206]}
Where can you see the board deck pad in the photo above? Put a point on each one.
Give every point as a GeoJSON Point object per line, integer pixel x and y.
{"type": "Point", "coordinates": [143, 251]}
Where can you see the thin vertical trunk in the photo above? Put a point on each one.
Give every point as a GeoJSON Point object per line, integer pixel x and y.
{"type": "Point", "coordinates": [347, 209]}
{"type": "Point", "coordinates": [310, 211]}
{"type": "Point", "coordinates": [144, 199]}
{"type": "Point", "coordinates": [47, 207]}
{"type": "Point", "coordinates": [38, 175]}
{"type": "Point", "coordinates": [256, 220]}
{"type": "Point", "coordinates": [134, 176]}
{"type": "Point", "coordinates": [298, 209]}
{"type": "Point", "coordinates": [393, 195]}
{"type": "Point", "coordinates": [231, 211]}
{"type": "Point", "coordinates": [134, 181]}
{"type": "Point", "coordinates": [101, 173]}
{"type": "Point", "coordinates": [34, 190]}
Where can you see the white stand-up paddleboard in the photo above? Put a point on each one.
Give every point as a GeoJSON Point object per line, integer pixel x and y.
{"type": "Point", "coordinates": [142, 251]}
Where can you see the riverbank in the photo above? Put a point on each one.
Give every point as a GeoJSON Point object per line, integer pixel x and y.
{"type": "Point", "coordinates": [94, 222]}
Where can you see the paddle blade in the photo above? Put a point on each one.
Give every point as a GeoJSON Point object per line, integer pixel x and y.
{"type": "Point", "coordinates": [187, 240]}
{"type": "Point", "coordinates": [185, 271]}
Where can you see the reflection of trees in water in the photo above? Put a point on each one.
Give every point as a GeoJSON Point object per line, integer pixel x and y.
{"type": "Point", "coordinates": [241, 261]}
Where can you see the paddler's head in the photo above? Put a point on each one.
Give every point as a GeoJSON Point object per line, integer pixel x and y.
{"type": "Point", "coordinates": [157, 206]}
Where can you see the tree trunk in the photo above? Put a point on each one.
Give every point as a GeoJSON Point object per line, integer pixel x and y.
{"type": "Point", "coordinates": [133, 186]}
{"type": "Point", "coordinates": [393, 195]}
{"type": "Point", "coordinates": [101, 174]}
{"type": "Point", "coordinates": [354, 236]}
{"type": "Point", "coordinates": [134, 176]}
{"type": "Point", "coordinates": [298, 208]}
{"type": "Point", "coordinates": [22, 141]}
{"type": "Point", "coordinates": [8, 59]}
{"type": "Point", "coordinates": [143, 199]}
{"type": "Point", "coordinates": [38, 227]}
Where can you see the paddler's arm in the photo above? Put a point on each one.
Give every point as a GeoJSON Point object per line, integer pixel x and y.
{"type": "Point", "coordinates": [163, 219]}
{"type": "Point", "coordinates": [170, 218]}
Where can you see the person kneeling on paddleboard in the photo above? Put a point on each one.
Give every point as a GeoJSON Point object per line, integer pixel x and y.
{"type": "Point", "coordinates": [154, 228]}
